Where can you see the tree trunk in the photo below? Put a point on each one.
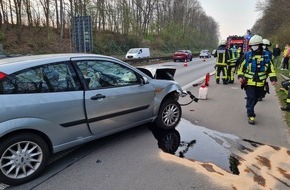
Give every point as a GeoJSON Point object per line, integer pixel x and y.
{"type": "Point", "coordinates": [61, 20]}
{"type": "Point", "coordinates": [57, 15]}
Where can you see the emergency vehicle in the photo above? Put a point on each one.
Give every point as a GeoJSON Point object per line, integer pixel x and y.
{"type": "Point", "coordinates": [239, 41]}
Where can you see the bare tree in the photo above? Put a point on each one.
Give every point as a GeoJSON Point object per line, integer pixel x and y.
{"type": "Point", "coordinates": [27, 5]}
{"type": "Point", "coordinates": [274, 23]}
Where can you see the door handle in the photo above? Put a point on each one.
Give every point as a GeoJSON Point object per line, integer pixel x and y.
{"type": "Point", "coordinates": [98, 97]}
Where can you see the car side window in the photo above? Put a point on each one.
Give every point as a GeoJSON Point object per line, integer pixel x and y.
{"type": "Point", "coordinates": [56, 77]}
{"type": "Point", "coordinates": [106, 74]}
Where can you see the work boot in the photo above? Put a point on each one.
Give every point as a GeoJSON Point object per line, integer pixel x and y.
{"type": "Point", "coordinates": [285, 108]}
{"type": "Point", "coordinates": [251, 120]}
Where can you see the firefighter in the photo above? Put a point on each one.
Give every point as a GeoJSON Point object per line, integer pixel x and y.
{"type": "Point", "coordinates": [286, 85]}
{"type": "Point", "coordinates": [239, 57]}
{"type": "Point", "coordinates": [266, 44]}
{"type": "Point", "coordinates": [232, 64]}
{"type": "Point", "coordinates": [239, 52]}
{"type": "Point", "coordinates": [256, 66]}
{"type": "Point", "coordinates": [222, 57]}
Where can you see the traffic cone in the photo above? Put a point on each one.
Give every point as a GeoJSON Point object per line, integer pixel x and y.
{"type": "Point", "coordinates": [185, 63]}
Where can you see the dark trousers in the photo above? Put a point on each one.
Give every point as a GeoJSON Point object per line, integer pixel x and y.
{"type": "Point", "coordinates": [285, 63]}
{"type": "Point", "coordinates": [253, 93]}
{"type": "Point", "coordinates": [219, 70]}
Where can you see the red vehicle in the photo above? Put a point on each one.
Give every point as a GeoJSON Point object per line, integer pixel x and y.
{"type": "Point", "coordinates": [238, 41]}
{"type": "Point", "coordinates": [182, 55]}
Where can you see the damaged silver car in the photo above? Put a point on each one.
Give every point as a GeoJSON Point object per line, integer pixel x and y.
{"type": "Point", "coordinates": [50, 103]}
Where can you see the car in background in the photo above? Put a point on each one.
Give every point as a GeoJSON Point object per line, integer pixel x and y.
{"type": "Point", "coordinates": [50, 103]}
{"type": "Point", "coordinates": [182, 55]}
{"type": "Point", "coordinates": [138, 53]}
{"type": "Point", "coordinates": [205, 54]}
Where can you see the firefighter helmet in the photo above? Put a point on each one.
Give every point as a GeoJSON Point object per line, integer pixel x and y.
{"type": "Point", "coordinates": [223, 42]}
{"type": "Point", "coordinates": [266, 42]}
{"type": "Point", "coordinates": [256, 40]}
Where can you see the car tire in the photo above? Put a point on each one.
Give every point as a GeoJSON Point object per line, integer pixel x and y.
{"type": "Point", "coordinates": [174, 60]}
{"type": "Point", "coordinates": [22, 158]}
{"type": "Point", "coordinates": [190, 59]}
{"type": "Point", "coordinates": [169, 114]}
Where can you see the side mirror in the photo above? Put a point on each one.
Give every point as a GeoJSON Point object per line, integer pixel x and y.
{"type": "Point", "coordinates": [144, 80]}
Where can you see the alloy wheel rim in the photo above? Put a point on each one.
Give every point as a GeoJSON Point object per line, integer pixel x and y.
{"type": "Point", "coordinates": [170, 115]}
{"type": "Point", "coordinates": [21, 159]}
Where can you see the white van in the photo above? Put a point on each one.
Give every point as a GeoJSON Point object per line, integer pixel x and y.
{"type": "Point", "coordinates": [138, 53]}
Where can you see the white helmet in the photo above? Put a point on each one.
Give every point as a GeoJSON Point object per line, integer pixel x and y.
{"type": "Point", "coordinates": [266, 42]}
{"type": "Point", "coordinates": [256, 40]}
{"type": "Point", "coordinates": [223, 42]}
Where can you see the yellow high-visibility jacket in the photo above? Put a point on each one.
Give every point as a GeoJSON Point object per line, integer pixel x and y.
{"type": "Point", "coordinates": [256, 67]}
{"type": "Point", "coordinates": [222, 56]}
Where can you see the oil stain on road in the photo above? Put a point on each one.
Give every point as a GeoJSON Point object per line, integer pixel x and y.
{"type": "Point", "coordinates": [227, 159]}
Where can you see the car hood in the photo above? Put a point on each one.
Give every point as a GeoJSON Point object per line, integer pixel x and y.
{"type": "Point", "coordinates": [164, 73]}
{"type": "Point", "coordinates": [163, 78]}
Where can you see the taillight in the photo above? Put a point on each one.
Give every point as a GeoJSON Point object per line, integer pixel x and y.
{"type": "Point", "coordinates": [2, 75]}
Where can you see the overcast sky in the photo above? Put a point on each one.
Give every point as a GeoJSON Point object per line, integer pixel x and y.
{"type": "Point", "coordinates": [233, 16]}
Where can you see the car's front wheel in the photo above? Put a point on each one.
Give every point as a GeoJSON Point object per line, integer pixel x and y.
{"type": "Point", "coordinates": [22, 158]}
{"type": "Point", "coordinates": [169, 114]}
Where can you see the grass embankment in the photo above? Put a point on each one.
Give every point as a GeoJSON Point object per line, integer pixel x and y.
{"type": "Point", "coordinates": [281, 95]}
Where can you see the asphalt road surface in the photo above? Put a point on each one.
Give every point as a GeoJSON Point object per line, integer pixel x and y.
{"type": "Point", "coordinates": [213, 147]}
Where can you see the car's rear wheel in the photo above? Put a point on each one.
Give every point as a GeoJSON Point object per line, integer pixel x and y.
{"type": "Point", "coordinates": [169, 114]}
{"type": "Point", "coordinates": [22, 158]}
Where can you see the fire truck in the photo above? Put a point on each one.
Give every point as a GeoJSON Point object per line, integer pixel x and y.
{"type": "Point", "coordinates": [238, 41]}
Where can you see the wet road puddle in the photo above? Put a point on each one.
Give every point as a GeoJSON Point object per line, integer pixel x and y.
{"type": "Point", "coordinates": [227, 159]}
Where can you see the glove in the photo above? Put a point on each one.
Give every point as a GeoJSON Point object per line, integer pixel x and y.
{"type": "Point", "coordinates": [243, 84]}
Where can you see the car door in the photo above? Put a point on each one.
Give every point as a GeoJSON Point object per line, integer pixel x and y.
{"type": "Point", "coordinates": [115, 98]}
{"type": "Point", "coordinates": [50, 95]}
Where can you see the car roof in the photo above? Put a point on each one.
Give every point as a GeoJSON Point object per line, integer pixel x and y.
{"type": "Point", "coordinates": [13, 64]}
